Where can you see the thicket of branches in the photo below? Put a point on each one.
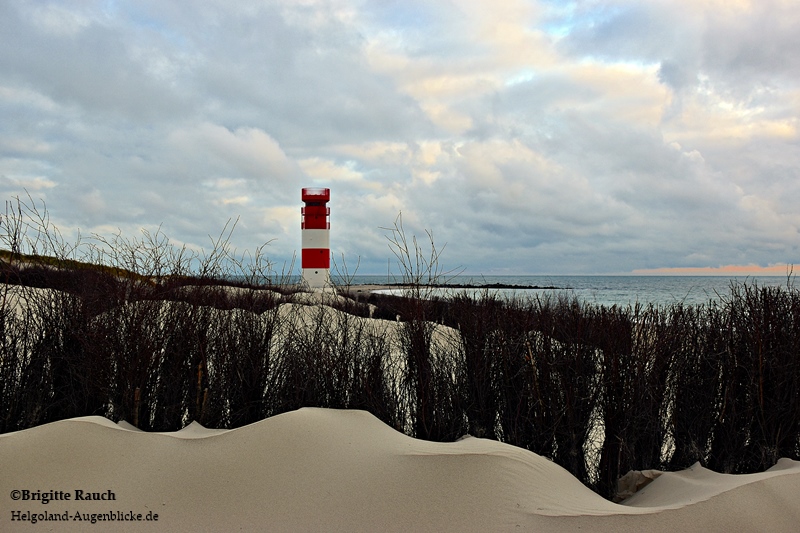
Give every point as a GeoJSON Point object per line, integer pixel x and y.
{"type": "Point", "coordinates": [599, 390]}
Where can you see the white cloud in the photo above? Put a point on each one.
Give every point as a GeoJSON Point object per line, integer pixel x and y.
{"type": "Point", "coordinates": [248, 151]}
{"type": "Point", "coordinates": [32, 184]}
{"type": "Point", "coordinates": [325, 170]}
{"type": "Point", "coordinates": [58, 20]}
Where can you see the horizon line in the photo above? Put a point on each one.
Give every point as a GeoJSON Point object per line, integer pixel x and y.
{"type": "Point", "coordinates": [725, 270]}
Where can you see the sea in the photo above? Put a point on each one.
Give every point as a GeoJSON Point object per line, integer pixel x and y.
{"type": "Point", "coordinates": [599, 290]}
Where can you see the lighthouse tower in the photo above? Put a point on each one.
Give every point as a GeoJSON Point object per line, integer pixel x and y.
{"type": "Point", "coordinates": [316, 226]}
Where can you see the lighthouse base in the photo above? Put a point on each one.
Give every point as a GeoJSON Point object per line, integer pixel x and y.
{"type": "Point", "coordinates": [317, 278]}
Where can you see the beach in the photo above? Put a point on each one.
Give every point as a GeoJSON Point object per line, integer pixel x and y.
{"type": "Point", "coordinates": [344, 470]}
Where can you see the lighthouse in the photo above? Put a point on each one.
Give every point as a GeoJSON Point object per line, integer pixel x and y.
{"type": "Point", "coordinates": [316, 227]}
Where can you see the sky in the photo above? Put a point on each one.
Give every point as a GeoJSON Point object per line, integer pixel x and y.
{"type": "Point", "coordinates": [527, 137]}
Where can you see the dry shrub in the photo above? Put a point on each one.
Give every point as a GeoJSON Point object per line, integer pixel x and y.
{"type": "Point", "coordinates": [599, 390]}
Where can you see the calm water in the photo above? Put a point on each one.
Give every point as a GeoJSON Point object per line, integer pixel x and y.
{"type": "Point", "coordinates": [610, 290]}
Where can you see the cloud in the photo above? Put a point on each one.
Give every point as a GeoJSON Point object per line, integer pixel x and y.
{"type": "Point", "coordinates": [80, 60]}
{"type": "Point", "coordinates": [246, 151]}
{"type": "Point", "coordinates": [531, 137]}
{"type": "Point", "coordinates": [326, 170]}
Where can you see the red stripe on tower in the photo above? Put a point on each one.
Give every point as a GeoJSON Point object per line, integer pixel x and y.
{"type": "Point", "coordinates": [315, 225]}
{"type": "Point", "coordinates": [316, 258]}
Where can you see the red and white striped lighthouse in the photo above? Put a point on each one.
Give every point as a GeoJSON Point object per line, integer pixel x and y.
{"type": "Point", "coordinates": [316, 228]}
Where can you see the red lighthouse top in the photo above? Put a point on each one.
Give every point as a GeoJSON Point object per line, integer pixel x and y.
{"type": "Point", "coordinates": [316, 195]}
{"type": "Point", "coordinates": [315, 213]}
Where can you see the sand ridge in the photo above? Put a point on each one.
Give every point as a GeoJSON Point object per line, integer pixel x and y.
{"type": "Point", "coordinates": [334, 470]}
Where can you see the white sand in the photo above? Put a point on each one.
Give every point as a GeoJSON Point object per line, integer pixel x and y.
{"type": "Point", "coordinates": [328, 470]}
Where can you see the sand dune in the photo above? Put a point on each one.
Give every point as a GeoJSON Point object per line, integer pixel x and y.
{"type": "Point", "coordinates": [328, 470]}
